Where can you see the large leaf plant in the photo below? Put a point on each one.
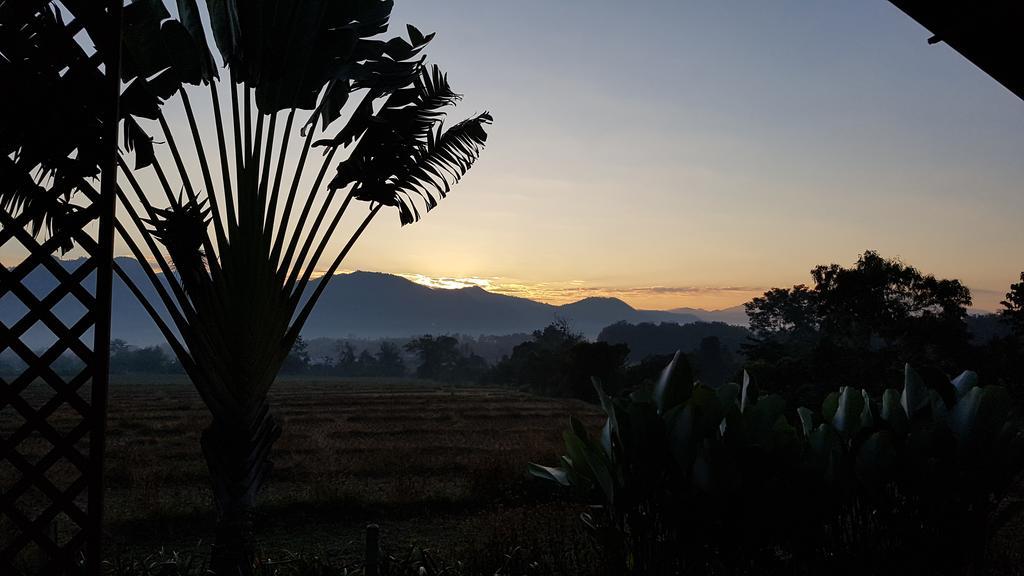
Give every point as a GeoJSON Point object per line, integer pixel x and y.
{"type": "Point", "coordinates": [686, 478]}
{"type": "Point", "coordinates": [218, 213]}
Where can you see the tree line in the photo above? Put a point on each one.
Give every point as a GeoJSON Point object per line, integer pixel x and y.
{"type": "Point", "coordinates": [858, 326]}
{"type": "Point", "coordinates": [851, 326]}
{"type": "Point", "coordinates": [555, 360]}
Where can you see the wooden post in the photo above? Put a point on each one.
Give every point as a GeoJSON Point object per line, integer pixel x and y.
{"type": "Point", "coordinates": [104, 256]}
{"type": "Point", "coordinates": [372, 567]}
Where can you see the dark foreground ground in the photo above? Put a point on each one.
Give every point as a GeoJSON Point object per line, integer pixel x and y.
{"type": "Point", "coordinates": [436, 467]}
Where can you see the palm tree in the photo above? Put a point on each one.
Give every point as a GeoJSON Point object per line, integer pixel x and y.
{"type": "Point", "coordinates": [227, 241]}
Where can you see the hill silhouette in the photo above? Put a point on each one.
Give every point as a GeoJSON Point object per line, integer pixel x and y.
{"type": "Point", "coordinates": [365, 305]}
{"type": "Point", "coordinates": [734, 315]}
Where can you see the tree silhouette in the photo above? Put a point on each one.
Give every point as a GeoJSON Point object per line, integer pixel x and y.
{"type": "Point", "coordinates": [438, 357]}
{"type": "Point", "coordinates": [225, 237]}
{"type": "Point", "coordinates": [558, 361]}
{"type": "Point", "coordinates": [346, 364]}
{"type": "Point", "coordinates": [443, 358]}
{"type": "Point", "coordinates": [389, 360]}
{"type": "Point", "coordinates": [367, 363]}
{"type": "Point", "coordinates": [857, 323]}
{"type": "Point", "coordinates": [297, 360]}
{"type": "Point", "coordinates": [789, 311]}
{"type": "Point", "coordinates": [1013, 307]}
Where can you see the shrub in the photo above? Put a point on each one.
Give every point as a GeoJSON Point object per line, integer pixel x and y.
{"type": "Point", "coordinates": [692, 479]}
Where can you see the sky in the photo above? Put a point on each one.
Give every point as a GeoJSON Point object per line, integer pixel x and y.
{"type": "Point", "coordinates": [695, 153]}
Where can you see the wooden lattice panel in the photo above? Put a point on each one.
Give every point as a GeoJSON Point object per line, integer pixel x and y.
{"type": "Point", "coordinates": [46, 413]}
{"type": "Point", "coordinates": [54, 340]}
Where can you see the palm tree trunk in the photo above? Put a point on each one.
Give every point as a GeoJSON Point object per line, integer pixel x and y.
{"type": "Point", "coordinates": [237, 454]}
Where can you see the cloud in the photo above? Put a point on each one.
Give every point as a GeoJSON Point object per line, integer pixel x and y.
{"type": "Point", "coordinates": [692, 289]}
{"type": "Point", "coordinates": [448, 283]}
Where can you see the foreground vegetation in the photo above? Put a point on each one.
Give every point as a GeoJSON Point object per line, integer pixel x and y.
{"type": "Point", "coordinates": [688, 478]}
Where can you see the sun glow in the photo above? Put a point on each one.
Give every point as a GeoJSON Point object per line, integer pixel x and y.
{"type": "Point", "coordinates": [448, 283]}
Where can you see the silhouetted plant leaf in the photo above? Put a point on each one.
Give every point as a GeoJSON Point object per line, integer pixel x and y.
{"type": "Point", "coordinates": [937, 381]}
{"type": "Point", "coordinates": [183, 53]}
{"type": "Point", "coordinates": [144, 97]}
{"type": "Point", "coordinates": [673, 386]}
{"type": "Point", "coordinates": [681, 425]}
{"type": "Point", "coordinates": [806, 420]}
{"type": "Point", "coordinates": [875, 459]}
{"type": "Point", "coordinates": [442, 163]}
{"type": "Point", "coordinates": [915, 393]}
{"type": "Point", "coordinates": [400, 156]}
{"type": "Point", "coordinates": [965, 382]}
{"type": "Point", "coordinates": [892, 411]}
{"type": "Point", "coordinates": [867, 417]}
{"type": "Point", "coordinates": [847, 418]}
{"type": "Point", "coordinates": [49, 148]}
{"type": "Point", "coordinates": [556, 475]}
{"type": "Point", "coordinates": [225, 24]}
{"type": "Point", "coordinates": [188, 13]}
{"type": "Point", "coordinates": [746, 393]}
{"type": "Point", "coordinates": [829, 407]}
{"type": "Point", "coordinates": [136, 140]}
{"type": "Point", "coordinates": [417, 37]}
{"type": "Point", "coordinates": [143, 50]}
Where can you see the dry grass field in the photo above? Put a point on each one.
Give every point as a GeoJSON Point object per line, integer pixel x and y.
{"type": "Point", "coordinates": [435, 466]}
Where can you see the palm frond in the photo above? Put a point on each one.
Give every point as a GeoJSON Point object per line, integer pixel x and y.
{"type": "Point", "coordinates": [393, 137]}
{"type": "Point", "coordinates": [47, 148]}
{"type": "Point", "coordinates": [17, 188]}
{"type": "Point", "coordinates": [440, 165]}
{"type": "Point", "coordinates": [405, 155]}
{"type": "Point", "coordinates": [45, 208]}
{"type": "Point", "coordinates": [409, 115]}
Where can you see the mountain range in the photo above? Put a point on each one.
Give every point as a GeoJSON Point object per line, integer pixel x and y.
{"type": "Point", "coordinates": [372, 305]}
{"type": "Point", "coordinates": [735, 315]}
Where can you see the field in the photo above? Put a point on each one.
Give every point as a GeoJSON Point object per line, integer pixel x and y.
{"type": "Point", "coordinates": [434, 466]}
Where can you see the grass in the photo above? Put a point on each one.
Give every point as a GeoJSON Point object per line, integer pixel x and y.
{"type": "Point", "coordinates": [430, 464]}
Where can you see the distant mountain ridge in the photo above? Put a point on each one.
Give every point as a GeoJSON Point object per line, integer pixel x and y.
{"type": "Point", "coordinates": [366, 305]}
{"type": "Point", "coordinates": [735, 315]}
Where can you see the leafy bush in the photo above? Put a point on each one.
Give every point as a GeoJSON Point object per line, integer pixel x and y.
{"type": "Point", "coordinates": [693, 479]}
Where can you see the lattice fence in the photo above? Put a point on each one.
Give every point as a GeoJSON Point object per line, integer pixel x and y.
{"type": "Point", "coordinates": [54, 351]}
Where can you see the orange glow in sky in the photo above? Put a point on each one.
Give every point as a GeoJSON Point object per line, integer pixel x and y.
{"type": "Point", "coordinates": [647, 298]}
